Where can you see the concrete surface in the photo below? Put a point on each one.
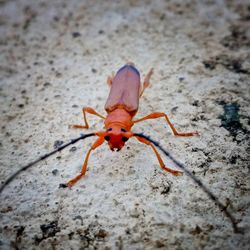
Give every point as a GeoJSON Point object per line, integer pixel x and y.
{"type": "Point", "coordinates": [55, 57]}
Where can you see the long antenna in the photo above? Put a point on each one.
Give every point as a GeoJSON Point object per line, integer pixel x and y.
{"type": "Point", "coordinates": [179, 164]}
{"type": "Point", "coordinates": [197, 181]}
{"type": "Point", "coordinates": [13, 176]}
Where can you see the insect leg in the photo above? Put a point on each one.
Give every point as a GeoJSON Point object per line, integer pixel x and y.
{"type": "Point", "coordinates": [196, 180]}
{"type": "Point", "coordinates": [110, 79]}
{"type": "Point", "coordinates": [84, 111]}
{"type": "Point", "coordinates": [43, 157]}
{"type": "Point", "coordinates": [158, 115]}
{"type": "Point", "coordinates": [96, 144]}
{"type": "Point", "coordinates": [162, 165]}
{"type": "Point", "coordinates": [146, 82]}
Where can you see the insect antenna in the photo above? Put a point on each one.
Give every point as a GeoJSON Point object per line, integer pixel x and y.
{"type": "Point", "coordinates": [13, 176]}
{"type": "Point", "coordinates": [197, 181]}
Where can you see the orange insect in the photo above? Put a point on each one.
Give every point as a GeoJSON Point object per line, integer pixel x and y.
{"type": "Point", "coordinates": [121, 106]}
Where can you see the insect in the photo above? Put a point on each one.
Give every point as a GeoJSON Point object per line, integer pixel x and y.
{"type": "Point", "coordinates": [121, 107]}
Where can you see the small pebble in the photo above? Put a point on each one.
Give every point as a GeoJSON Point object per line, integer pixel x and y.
{"type": "Point", "coordinates": [73, 149]}
{"type": "Point", "coordinates": [55, 172]}
{"type": "Point", "coordinates": [57, 144]}
{"type": "Point", "coordinates": [76, 34]}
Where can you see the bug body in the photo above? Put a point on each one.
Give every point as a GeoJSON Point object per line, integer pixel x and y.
{"type": "Point", "coordinates": [122, 104]}
{"type": "Point", "coordinates": [121, 107]}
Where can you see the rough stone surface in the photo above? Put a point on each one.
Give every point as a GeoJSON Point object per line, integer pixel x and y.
{"type": "Point", "coordinates": [55, 57]}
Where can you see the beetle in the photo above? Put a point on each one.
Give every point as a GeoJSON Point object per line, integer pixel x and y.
{"type": "Point", "coordinates": [121, 107]}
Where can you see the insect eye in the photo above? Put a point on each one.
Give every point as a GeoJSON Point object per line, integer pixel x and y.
{"type": "Point", "coordinates": [123, 130]}
{"type": "Point", "coordinates": [107, 138]}
{"type": "Point", "coordinates": [110, 129]}
{"type": "Point", "coordinates": [124, 138]}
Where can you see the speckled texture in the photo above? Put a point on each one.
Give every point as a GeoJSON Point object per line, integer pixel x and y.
{"type": "Point", "coordinates": [55, 57]}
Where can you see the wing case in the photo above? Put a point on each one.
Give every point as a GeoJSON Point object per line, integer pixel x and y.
{"type": "Point", "coordinates": [124, 92]}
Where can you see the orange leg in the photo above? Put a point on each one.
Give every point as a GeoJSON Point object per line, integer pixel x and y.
{"type": "Point", "coordinates": [162, 165]}
{"type": "Point", "coordinates": [84, 111]}
{"type": "Point", "coordinates": [97, 143]}
{"type": "Point", "coordinates": [158, 115]}
{"type": "Point", "coordinates": [146, 82]}
{"type": "Point", "coordinates": [110, 79]}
